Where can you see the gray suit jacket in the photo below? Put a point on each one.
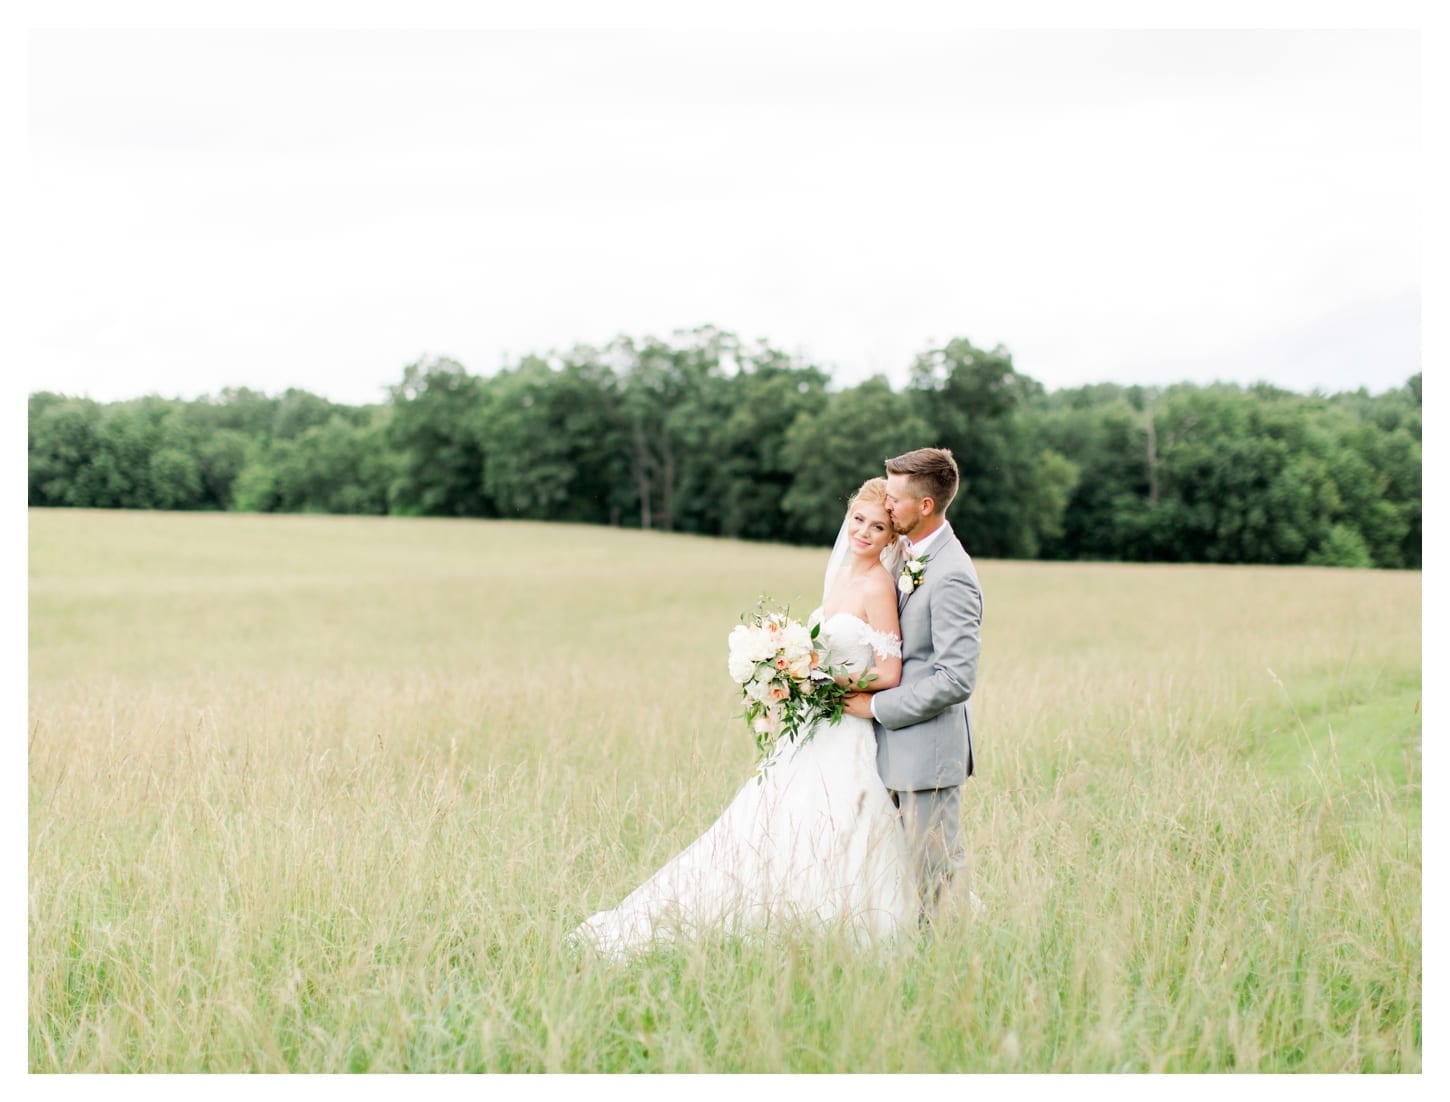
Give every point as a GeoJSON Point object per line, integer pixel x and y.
{"type": "Point", "coordinates": [924, 725]}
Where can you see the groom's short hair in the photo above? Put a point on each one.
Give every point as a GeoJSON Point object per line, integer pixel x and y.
{"type": "Point", "coordinates": [932, 473]}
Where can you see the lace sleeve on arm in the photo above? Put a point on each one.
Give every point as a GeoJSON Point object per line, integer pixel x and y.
{"type": "Point", "coordinates": [885, 646]}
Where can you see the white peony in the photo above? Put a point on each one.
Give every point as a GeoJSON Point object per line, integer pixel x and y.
{"type": "Point", "coordinates": [797, 639]}
{"type": "Point", "coordinates": [903, 583]}
{"type": "Point", "coordinates": [752, 642]}
{"type": "Point", "coordinates": [742, 669]}
{"type": "Point", "coordinates": [758, 689]}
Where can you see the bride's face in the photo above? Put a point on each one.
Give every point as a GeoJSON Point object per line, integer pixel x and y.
{"type": "Point", "coordinates": [870, 529]}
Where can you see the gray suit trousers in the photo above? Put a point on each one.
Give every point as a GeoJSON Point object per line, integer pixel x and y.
{"type": "Point", "coordinates": [931, 819]}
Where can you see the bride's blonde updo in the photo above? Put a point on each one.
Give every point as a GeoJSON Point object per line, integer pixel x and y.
{"type": "Point", "coordinates": [872, 491]}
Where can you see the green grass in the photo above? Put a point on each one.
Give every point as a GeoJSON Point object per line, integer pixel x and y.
{"type": "Point", "coordinates": [326, 794]}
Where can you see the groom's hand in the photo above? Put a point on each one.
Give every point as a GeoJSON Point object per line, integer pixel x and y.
{"type": "Point", "coordinates": [858, 705]}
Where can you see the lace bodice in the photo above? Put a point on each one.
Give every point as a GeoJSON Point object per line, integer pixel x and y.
{"type": "Point", "coordinates": [850, 640]}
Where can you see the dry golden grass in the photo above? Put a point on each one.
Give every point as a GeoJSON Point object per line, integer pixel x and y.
{"type": "Point", "coordinates": [325, 794]}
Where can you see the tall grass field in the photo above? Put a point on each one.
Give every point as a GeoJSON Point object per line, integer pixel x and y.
{"type": "Point", "coordinates": [326, 794]}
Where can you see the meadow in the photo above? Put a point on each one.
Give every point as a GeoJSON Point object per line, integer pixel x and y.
{"type": "Point", "coordinates": [326, 794]}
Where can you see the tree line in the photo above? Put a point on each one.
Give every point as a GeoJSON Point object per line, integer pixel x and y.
{"type": "Point", "coordinates": [709, 434]}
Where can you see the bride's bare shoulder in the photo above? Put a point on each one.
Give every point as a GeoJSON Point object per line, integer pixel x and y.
{"type": "Point", "coordinates": [880, 581]}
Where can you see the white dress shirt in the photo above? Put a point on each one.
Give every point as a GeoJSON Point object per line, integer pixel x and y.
{"type": "Point", "coordinates": [924, 546]}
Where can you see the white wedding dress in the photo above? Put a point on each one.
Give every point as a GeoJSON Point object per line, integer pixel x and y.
{"type": "Point", "coordinates": [815, 842]}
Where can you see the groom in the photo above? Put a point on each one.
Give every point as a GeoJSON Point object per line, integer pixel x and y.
{"type": "Point", "coordinates": [924, 725]}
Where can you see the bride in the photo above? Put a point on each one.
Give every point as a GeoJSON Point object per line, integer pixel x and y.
{"type": "Point", "coordinates": [815, 840]}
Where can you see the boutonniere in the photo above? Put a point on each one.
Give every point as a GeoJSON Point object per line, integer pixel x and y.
{"type": "Point", "coordinates": [912, 571]}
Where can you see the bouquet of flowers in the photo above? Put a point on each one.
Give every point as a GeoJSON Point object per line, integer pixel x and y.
{"type": "Point", "coordinates": [780, 665]}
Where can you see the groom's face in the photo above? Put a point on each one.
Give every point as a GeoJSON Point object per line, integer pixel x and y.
{"type": "Point", "coordinates": [902, 504]}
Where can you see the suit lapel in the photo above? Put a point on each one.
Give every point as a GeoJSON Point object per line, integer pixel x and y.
{"type": "Point", "coordinates": [935, 557]}
{"type": "Point", "coordinates": [903, 597]}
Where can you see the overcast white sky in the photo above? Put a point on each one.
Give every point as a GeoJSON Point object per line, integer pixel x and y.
{"type": "Point", "coordinates": [318, 209]}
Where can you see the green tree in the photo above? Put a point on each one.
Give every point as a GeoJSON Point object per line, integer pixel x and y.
{"type": "Point", "coordinates": [1343, 546]}
{"type": "Point", "coordinates": [672, 399]}
{"type": "Point", "coordinates": [174, 477]}
{"type": "Point", "coordinates": [834, 450]}
{"type": "Point", "coordinates": [64, 435]}
{"type": "Point", "coordinates": [1013, 491]}
{"type": "Point", "coordinates": [239, 409]}
{"type": "Point", "coordinates": [554, 441]}
{"type": "Point", "coordinates": [131, 433]}
{"type": "Point", "coordinates": [255, 487]}
{"type": "Point", "coordinates": [220, 456]}
{"type": "Point", "coordinates": [297, 411]}
{"type": "Point", "coordinates": [1109, 446]}
{"type": "Point", "coordinates": [335, 467]}
{"type": "Point", "coordinates": [752, 472]}
{"type": "Point", "coordinates": [434, 431]}
{"type": "Point", "coordinates": [1377, 472]}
